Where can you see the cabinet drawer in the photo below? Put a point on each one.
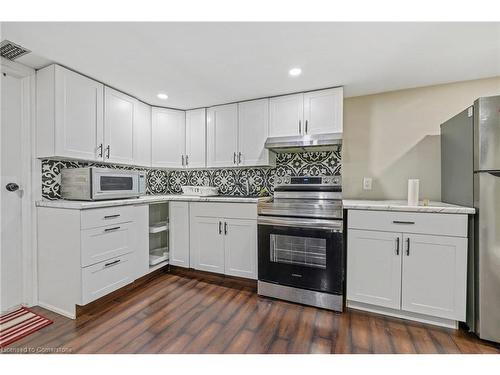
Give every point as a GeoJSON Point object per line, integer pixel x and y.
{"type": "Point", "coordinates": [100, 244]}
{"type": "Point", "coordinates": [98, 217]}
{"type": "Point", "coordinates": [105, 277]}
{"type": "Point", "coordinates": [409, 222]}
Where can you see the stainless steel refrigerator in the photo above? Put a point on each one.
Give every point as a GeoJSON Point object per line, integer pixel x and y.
{"type": "Point", "coordinates": [470, 176]}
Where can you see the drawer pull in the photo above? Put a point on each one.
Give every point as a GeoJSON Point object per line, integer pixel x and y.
{"type": "Point", "coordinates": [110, 229]}
{"type": "Point", "coordinates": [111, 216]}
{"type": "Point", "coordinates": [403, 222]}
{"type": "Point", "coordinates": [112, 263]}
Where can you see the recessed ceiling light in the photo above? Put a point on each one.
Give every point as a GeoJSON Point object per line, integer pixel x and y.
{"type": "Point", "coordinates": [162, 96]}
{"type": "Point", "coordinates": [295, 72]}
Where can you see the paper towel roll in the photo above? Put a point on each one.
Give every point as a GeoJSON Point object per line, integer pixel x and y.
{"type": "Point", "coordinates": [413, 192]}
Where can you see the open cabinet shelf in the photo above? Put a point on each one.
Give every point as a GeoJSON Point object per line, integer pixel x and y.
{"type": "Point", "coordinates": [159, 235]}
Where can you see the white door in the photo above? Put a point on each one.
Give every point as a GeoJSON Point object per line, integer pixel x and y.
{"type": "Point", "coordinates": [11, 274]}
{"type": "Point", "coordinates": [118, 127]}
{"type": "Point", "coordinates": [434, 275]}
{"type": "Point", "coordinates": [323, 111]}
{"type": "Point", "coordinates": [179, 233]}
{"type": "Point", "coordinates": [142, 134]}
{"type": "Point", "coordinates": [240, 248]}
{"type": "Point", "coordinates": [286, 115]}
{"type": "Point", "coordinates": [374, 267]}
{"type": "Point", "coordinates": [207, 244]}
{"type": "Point", "coordinates": [196, 138]}
{"type": "Point", "coordinates": [222, 136]}
{"type": "Point", "coordinates": [253, 130]}
{"type": "Point", "coordinates": [168, 138]}
{"type": "Point", "coordinates": [79, 115]}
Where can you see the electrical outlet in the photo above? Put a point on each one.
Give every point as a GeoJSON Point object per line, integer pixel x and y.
{"type": "Point", "coordinates": [367, 183]}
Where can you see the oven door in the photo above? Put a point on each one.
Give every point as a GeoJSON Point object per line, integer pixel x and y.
{"type": "Point", "coordinates": [114, 184]}
{"type": "Point", "coordinates": [301, 252]}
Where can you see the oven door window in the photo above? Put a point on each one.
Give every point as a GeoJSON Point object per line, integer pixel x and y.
{"type": "Point", "coordinates": [116, 183]}
{"type": "Point", "coordinates": [304, 258]}
{"type": "Point", "coordinates": [303, 251]}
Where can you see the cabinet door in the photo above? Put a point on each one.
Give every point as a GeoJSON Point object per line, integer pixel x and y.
{"type": "Point", "coordinates": [434, 275]}
{"type": "Point", "coordinates": [79, 106]}
{"type": "Point", "coordinates": [286, 115]}
{"type": "Point", "coordinates": [240, 248]}
{"type": "Point", "coordinates": [253, 130]}
{"type": "Point", "coordinates": [196, 138]}
{"type": "Point", "coordinates": [142, 134]}
{"type": "Point", "coordinates": [168, 138]}
{"type": "Point", "coordinates": [323, 111]}
{"type": "Point", "coordinates": [374, 267]}
{"type": "Point", "coordinates": [179, 233]}
{"type": "Point", "coordinates": [222, 135]}
{"type": "Point", "coordinates": [118, 126]}
{"type": "Point", "coordinates": [207, 244]}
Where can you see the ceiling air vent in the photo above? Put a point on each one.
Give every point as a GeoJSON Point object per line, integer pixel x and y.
{"type": "Point", "coordinates": [12, 51]}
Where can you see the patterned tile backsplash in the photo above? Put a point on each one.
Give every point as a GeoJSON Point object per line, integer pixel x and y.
{"type": "Point", "coordinates": [230, 181]}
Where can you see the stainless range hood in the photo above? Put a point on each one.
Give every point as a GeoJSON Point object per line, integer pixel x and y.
{"type": "Point", "coordinates": [317, 142]}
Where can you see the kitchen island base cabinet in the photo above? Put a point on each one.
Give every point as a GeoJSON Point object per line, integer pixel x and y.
{"type": "Point", "coordinates": [223, 238]}
{"type": "Point", "coordinates": [416, 276]}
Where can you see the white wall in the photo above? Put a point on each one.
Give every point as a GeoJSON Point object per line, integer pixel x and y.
{"type": "Point", "coordinates": [395, 136]}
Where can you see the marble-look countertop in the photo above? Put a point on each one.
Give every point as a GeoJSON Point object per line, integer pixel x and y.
{"type": "Point", "coordinates": [82, 205]}
{"type": "Point", "coordinates": [400, 205]}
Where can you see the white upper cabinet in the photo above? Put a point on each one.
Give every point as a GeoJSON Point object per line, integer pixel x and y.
{"type": "Point", "coordinates": [69, 115]}
{"type": "Point", "coordinates": [142, 134]}
{"type": "Point", "coordinates": [286, 115]}
{"type": "Point", "coordinates": [195, 138]}
{"type": "Point", "coordinates": [168, 138]}
{"type": "Point", "coordinates": [253, 129]}
{"type": "Point", "coordinates": [118, 126]}
{"type": "Point", "coordinates": [222, 135]}
{"type": "Point", "coordinates": [323, 111]}
{"type": "Point", "coordinates": [314, 112]}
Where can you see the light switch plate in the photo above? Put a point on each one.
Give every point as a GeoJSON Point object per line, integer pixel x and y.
{"type": "Point", "coordinates": [367, 183]}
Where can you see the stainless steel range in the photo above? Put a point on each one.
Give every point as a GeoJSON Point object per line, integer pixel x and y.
{"type": "Point", "coordinates": [301, 252]}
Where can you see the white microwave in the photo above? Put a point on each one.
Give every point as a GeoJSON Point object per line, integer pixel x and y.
{"type": "Point", "coordinates": [92, 183]}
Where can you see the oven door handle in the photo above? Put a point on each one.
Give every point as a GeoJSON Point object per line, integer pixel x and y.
{"type": "Point", "coordinates": [328, 225]}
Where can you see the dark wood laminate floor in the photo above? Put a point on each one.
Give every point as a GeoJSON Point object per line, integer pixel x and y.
{"type": "Point", "coordinates": [192, 314]}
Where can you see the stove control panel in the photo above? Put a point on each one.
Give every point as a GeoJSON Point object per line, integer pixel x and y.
{"type": "Point", "coordinates": [309, 180]}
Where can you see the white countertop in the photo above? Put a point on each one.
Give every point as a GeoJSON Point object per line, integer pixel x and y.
{"type": "Point", "coordinates": [82, 205]}
{"type": "Point", "coordinates": [400, 205]}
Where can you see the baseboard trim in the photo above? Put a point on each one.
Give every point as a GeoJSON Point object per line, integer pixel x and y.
{"type": "Point", "coordinates": [57, 310]}
{"type": "Point", "coordinates": [442, 322]}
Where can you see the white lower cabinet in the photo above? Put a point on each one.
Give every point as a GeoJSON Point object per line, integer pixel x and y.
{"type": "Point", "coordinates": [240, 248]}
{"type": "Point", "coordinates": [85, 254]}
{"type": "Point", "coordinates": [412, 275]}
{"type": "Point", "coordinates": [224, 238]}
{"type": "Point", "coordinates": [374, 268]}
{"type": "Point", "coordinates": [179, 233]}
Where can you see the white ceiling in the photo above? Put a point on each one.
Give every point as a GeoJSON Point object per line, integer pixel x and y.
{"type": "Point", "coordinates": [202, 64]}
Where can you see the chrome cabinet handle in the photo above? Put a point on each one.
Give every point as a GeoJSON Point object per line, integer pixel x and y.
{"type": "Point", "coordinates": [220, 227]}
{"type": "Point", "coordinates": [111, 216]}
{"type": "Point", "coordinates": [112, 263]}
{"type": "Point", "coordinates": [234, 157]}
{"type": "Point", "coordinates": [239, 157]}
{"type": "Point", "coordinates": [100, 150]}
{"type": "Point", "coordinates": [300, 127]}
{"type": "Point", "coordinates": [225, 228]}
{"type": "Point", "coordinates": [108, 151]}
{"type": "Point", "coordinates": [402, 222]}
{"type": "Point", "coordinates": [408, 247]}
{"type": "Point", "coordinates": [397, 245]}
{"type": "Point", "coordinates": [182, 160]}
{"type": "Point", "coordinates": [306, 126]}
{"type": "Point", "coordinates": [111, 229]}
{"type": "Point", "coordinates": [187, 160]}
